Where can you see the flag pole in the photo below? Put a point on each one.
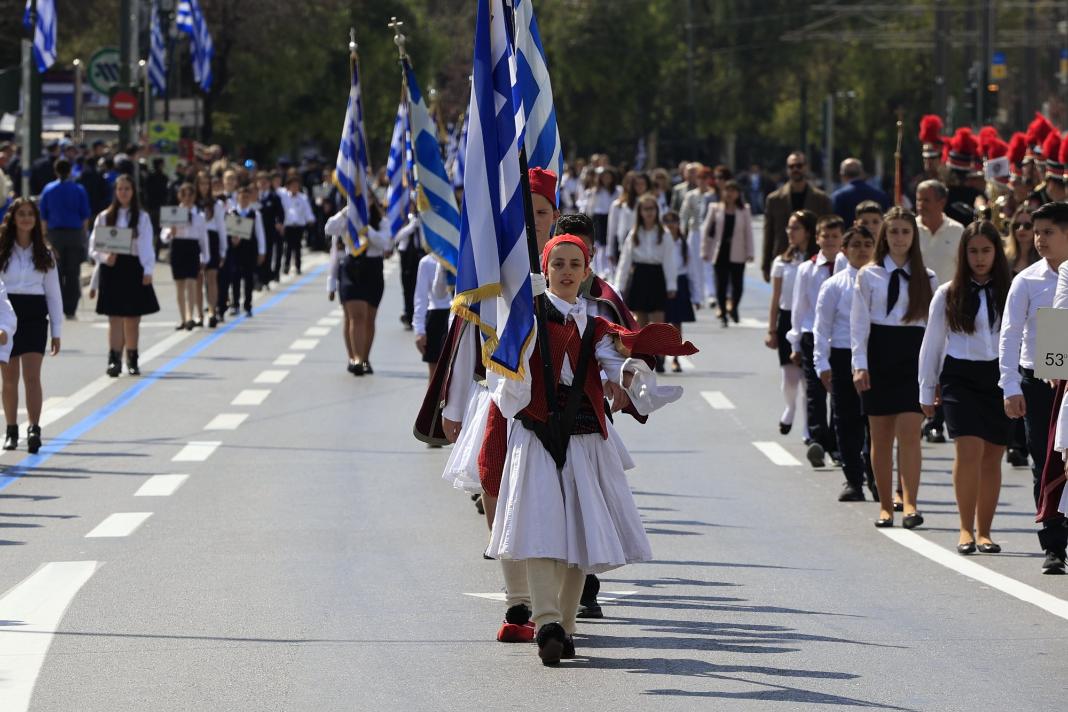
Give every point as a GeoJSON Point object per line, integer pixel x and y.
{"type": "Point", "coordinates": [400, 40]}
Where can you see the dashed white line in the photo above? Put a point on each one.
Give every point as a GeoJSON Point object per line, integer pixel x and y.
{"type": "Point", "coordinates": [226, 421]}
{"type": "Point", "coordinates": [289, 359]}
{"type": "Point", "coordinates": [161, 485]}
{"type": "Point", "coordinates": [329, 321]}
{"type": "Point", "coordinates": [304, 344]}
{"type": "Point", "coordinates": [337, 312]}
{"type": "Point", "coordinates": [196, 451]}
{"type": "Point", "coordinates": [271, 376]}
{"type": "Point", "coordinates": [777, 454]}
{"type": "Point", "coordinates": [687, 363]}
{"type": "Point", "coordinates": [717, 400]}
{"type": "Point", "coordinates": [317, 331]}
{"type": "Point", "coordinates": [35, 609]}
{"type": "Point", "coordinates": [251, 396]}
{"type": "Point", "coordinates": [119, 525]}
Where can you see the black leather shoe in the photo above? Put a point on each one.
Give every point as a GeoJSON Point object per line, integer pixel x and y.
{"type": "Point", "coordinates": [990, 548]}
{"type": "Point", "coordinates": [367, 368]}
{"type": "Point", "coordinates": [189, 325]}
{"type": "Point", "coordinates": [899, 506]}
{"type": "Point", "coordinates": [213, 322]}
{"type": "Point", "coordinates": [1017, 457]}
{"type": "Point", "coordinates": [569, 648]}
{"type": "Point", "coordinates": [11, 441]}
{"type": "Point", "coordinates": [131, 363]}
{"type": "Point", "coordinates": [785, 428]}
{"type": "Point", "coordinates": [550, 639]}
{"type": "Point", "coordinates": [934, 435]}
{"type": "Point", "coordinates": [1052, 566]}
{"type": "Point", "coordinates": [911, 521]}
{"type": "Point", "coordinates": [884, 523]}
{"type": "Point", "coordinates": [199, 323]}
{"type": "Point", "coordinates": [358, 369]}
{"type": "Point", "coordinates": [851, 493]}
{"type": "Point", "coordinates": [966, 549]}
{"type": "Point", "coordinates": [33, 439]}
{"type": "Point", "coordinates": [114, 364]}
{"type": "Point", "coordinates": [815, 455]}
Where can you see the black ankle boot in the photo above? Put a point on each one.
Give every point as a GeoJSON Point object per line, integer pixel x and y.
{"type": "Point", "coordinates": [131, 362]}
{"type": "Point", "coordinates": [114, 364]}
{"type": "Point", "coordinates": [12, 440]}
{"type": "Point", "coordinates": [33, 438]}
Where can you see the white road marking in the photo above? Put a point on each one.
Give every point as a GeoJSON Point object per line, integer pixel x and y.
{"type": "Point", "coordinates": [969, 568]}
{"type": "Point", "coordinates": [196, 451]}
{"type": "Point", "coordinates": [687, 363]}
{"type": "Point", "coordinates": [717, 400]}
{"type": "Point", "coordinates": [747, 322]}
{"type": "Point", "coordinates": [337, 312]}
{"type": "Point", "coordinates": [329, 321]}
{"type": "Point", "coordinates": [226, 421]}
{"type": "Point", "coordinates": [32, 611]}
{"type": "Point", "coordinates": [608, 596]}
{"type": "Point", "coordinates": [317, 331]}
{"type": "Point", "coordinates": [119, 525]}
{"type": "Point", "coordinates": [289, 359]}
{"type": "Point", "coordinates": [304, 344]}
{"type": "Point", "coordinates": [271, 376]}
{"type": "Point", "coordinates": [777, 454]}
{"type": "Point", "coordinates": [161, 485]}
{"type": "Point", "coordinates": [250, 396]}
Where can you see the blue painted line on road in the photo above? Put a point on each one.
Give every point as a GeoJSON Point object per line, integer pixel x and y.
{"type": "Point", "coordinates": [68, 436]}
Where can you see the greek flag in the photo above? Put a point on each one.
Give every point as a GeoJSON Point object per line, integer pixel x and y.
{"type": "Point", "coordinates": [542, 139]}
{"type": "Point", "coordinates": [493, 251]}
{"type": "Point", "coordinates": [157, 55]}
{"type": "Point", "coordinates": [44, 33]}
{"type": "Point", "coordinates": [353, 169]}
{"type": "Point", "coordinates": [461, 155]}
{"type": "Point", "coordinates": [397, 197]}
{"type": "Point", "coordinates": [190, 20]}
{"type": "Point", "coordinates": [434, 197]}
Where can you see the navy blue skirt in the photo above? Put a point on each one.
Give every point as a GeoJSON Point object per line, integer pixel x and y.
{"type": "Point", "coordinates": [680, 309]}
{"type": "Point", "coordinates": [972, 401]}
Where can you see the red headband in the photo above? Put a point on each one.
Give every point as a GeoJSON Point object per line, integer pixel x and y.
{"type": "Point", "coordinates": [561, 240]}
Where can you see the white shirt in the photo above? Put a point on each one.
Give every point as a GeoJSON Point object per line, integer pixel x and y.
{"type": "Point", "coordinates": [217, 222]}
{"type": "Point", "coordinates": [1060, 295]}
{"type": "Point", "coordinates": [692, 269]}
{"type": "Point", "coordinates": [297, 208]}
{"type": "Point", "coordinates": [379, 240]}
{"type": "Point", "coordinates": [810, 275]}
{"type": "Point", "coordinates": [1060, 301]}
{"type": "Point", "coordinates": [1031, 290]}
{"type": "Point", "coordinates": [195, 229]}
{"type": "Point", "coordinates": [257, 226]}
{"type": "Point", "coordinates": [430, 293]}
{"type": "Point", "coordinates": [830, 328]}
{"type": "Point", "coordinates": [649, 252]}
{"type": "Point", "coordinates": [787, 271]}
{"type": "Point", "coordinates": [146, 251]}
{"type": "Point", "coordinates": [599, 200]}
{"type": "Point", "coordinates": [406, 233]}
{"type": "Point", "coordinates": [939, 341]}
{"type": "Point", "coordinates": [21, 277]}
{"type": "Point", "coordinates": [869, 306]}
{"type": "Point", "coordinates": [940, 249]}
{"type": "Point", "coordinates": [620, 223]}
{"type": "Point", "coordinates": [8, 324]}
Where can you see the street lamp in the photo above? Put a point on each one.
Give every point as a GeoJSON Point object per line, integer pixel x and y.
{"type": "Point", "coordinates": [77, 101]}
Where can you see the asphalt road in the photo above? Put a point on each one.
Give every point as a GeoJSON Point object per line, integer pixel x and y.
{"type": "Point", "coordinates": [249, 527]}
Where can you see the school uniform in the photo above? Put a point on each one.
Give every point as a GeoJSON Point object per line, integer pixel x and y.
{"type": "Point", "coordinates": [621, 218]}
{"type": "Point", "coordinates": [270, 207]}
{"type": "Point", "coordinates": [189, 246]}
{"type": "Point", "coordinates": [831, 352]}
{"type": "Point", "coordinates": [811, 274]}
{"type": "Point", "coordinates": [598, 205]}
{"type": "Point", "coordinates": [787, 271]}
{"type": "Point", "coordinates": [433, 302]}
{"type": "Point", "coordinates": [357, 278]}
{"type": "Point", "coordinates": [882, 342]}
{"type": "Point", "coordinates": [240, 265]}
{"type": "Point", "coordinates": [215, 224]}
{"type": "Point", "coordinates": [1054, 476]}
{"type": "Point", "coordinates": [647, 270]}
{"type": "Point", "coordinates": [410, 251]}
{"type": "Point", "coordinates": [690, 286]}
{"type": "Point", "coordinates": [121, 290]}
{"type": "Point", "coordinates": [298, 216]}
{"type": "Point", "coordinates": [966, 368]}
{"type": "Point", "coordinates": [36, 298]}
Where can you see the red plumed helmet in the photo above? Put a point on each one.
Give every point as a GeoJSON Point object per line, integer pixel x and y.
{"type": "Point", "coordinates": [1062, 156]}
{"type": "Point", "coordinates": [1038, 129]}
{"type": "Point", "coordinates": [931, 135]}
{"type": "Point", "coordinates": [1051, 149]}
{"type": "Point", "coordinates": [1017, 148]}
{"type": "Point", "coordinates": [963, 148]}
{"type": "Point", "coordinates": [987, 135]}
{"type": "Point", "coordinates": [996, 148]}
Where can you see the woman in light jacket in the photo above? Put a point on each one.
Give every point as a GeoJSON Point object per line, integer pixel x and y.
{"type": "Point", "coordinates": [728, 245]}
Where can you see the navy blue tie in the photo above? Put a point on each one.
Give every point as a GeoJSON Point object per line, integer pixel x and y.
{"type": "Point", "coordinates": [895, 288]}
{"type": "Point", "coordinates": [975, 297]}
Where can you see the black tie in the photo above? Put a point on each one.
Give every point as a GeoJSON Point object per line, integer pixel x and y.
{"type": "Point", "coordinates": [976, 299]}
{"type": "Point", "coordinates": [895, 288]}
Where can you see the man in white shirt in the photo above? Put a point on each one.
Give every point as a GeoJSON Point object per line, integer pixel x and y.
{"type": "Point", "coordinates": [939, 242]}
{"type": "Point", "coordinates": [1026, 396]}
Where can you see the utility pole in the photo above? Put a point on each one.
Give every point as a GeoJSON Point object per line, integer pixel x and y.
{"type": "Point", "coordinates": [940, 69]}
{"type": "Point", "coordinates": [30, 109]}
{"type": "Point", "coordinates": [167, 8]}
{"type": "Point", "coordinates": [983, 75]}
{"type": "Point", "coordinates": [78, 101]}
{"type": "Point", "coordinates": [127, 58]}
{"type": "Point", "coordinates": [1030, 66]}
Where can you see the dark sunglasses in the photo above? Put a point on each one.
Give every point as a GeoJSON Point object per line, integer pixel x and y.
{"type": "Point", "coordinates": [1025, 226]}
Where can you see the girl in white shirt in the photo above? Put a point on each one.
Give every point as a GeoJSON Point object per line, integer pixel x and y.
{"type": "Point", "coordinates": [124, 280]}
{"type": "Point", "coordinates": [959, 371]}
{"type": "Point", "coordinates": [624, 213]}
{"type": "Point", "coordinates": [213, 211]}
{"type": "Point", "coordinates": [28, 271]}
{"type": "Point", "coordinates": [801, 246]}
{"type": "Point", "coordinates": [189, 254]}
{"type": "Point", "coordinates": [887, 319]}
{"type": "Point", "coordinates": [597, 203]}
{"type": "Point", "coordinates": [688, 296]}
{"type": "Point", "coordinates": [647, 274]}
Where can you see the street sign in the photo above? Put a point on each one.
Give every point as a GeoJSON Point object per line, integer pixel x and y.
{"type": "Point", "coordinates": [103, 70]}
{"type": "Point", "coordinates": [123, 105]}
{"type": "Point", "coordinates": [998, 68]}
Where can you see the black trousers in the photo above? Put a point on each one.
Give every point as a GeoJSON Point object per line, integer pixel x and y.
{"type": "Point", "coordinates": [1038, 397]}
{"type": "Point", "coordinates": [71, 249]}
{"type": "Point", "coordinates": [244, 267]}
{"type": "Point", "coordinates": [849, 420]}
{"type": "Point", "coordinates": [409, 270]}
{"type": "Point", "coordinates": [819, 427]}
{"type": "Point", "coordinates": [275, 248]}
{"type": "Point", "coordinates": [293, 237]}
{"type": "Point", "coordinates": [730, 275]}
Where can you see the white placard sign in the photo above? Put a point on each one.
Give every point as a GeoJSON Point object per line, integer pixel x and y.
{"type": "Point", "coordinates": [1051, 343]}
{"type": "Point", "coordinates": [240, 227]}
{"type": "Point", "coordinates": [173, 215]}
{"type": "Point", "coordinates": [117, 240]}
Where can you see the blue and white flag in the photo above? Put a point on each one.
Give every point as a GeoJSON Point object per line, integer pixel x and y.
{"type": "Point", "coordinates": [398, 196]}
{"type": "Point", "coordinates": [190, 20]}
{"type": "Point", "coordinates": [353, 170]}
{"type": "Point", "coordinates": [493, 276]}
{"type": "Point", "coordinates": [157, 54]}
{"type": "Point", "coordinates": [44, 33]}
{"type": "Point", "coordinates": [542, 139]}
{"type": "Point", "coordinates": [461, 154]}
{"type": "Point", "coordinates": [434, 197]}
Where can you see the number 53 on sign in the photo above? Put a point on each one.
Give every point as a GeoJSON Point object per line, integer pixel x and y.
{"type": "Point", "coordinates": [1051, 344]}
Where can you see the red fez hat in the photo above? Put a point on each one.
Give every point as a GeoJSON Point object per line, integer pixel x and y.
{"type": "Point", "coordinates": [560, 240]}
{"type": "Point", "coordinates": [543, 183]}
